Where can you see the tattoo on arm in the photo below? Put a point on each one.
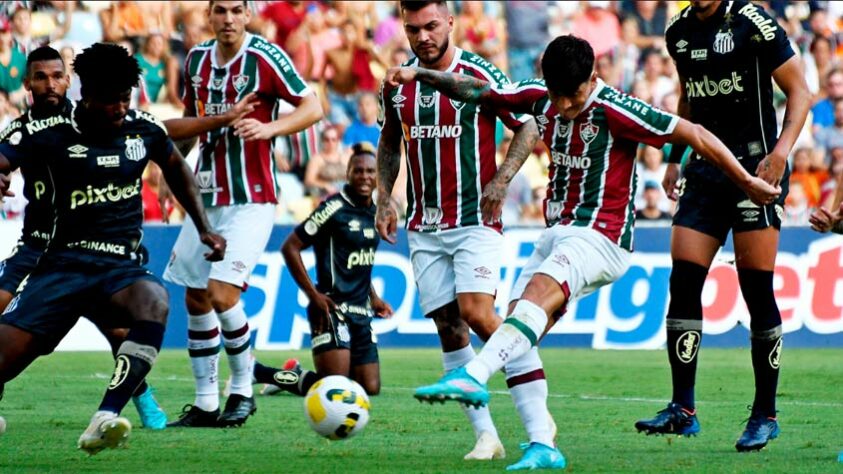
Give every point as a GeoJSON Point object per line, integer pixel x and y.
{"type": "Point", "coordinates": [388, 161]}
{"type": "Point", "coordinates": [456, 86]}
{"type": "Point", "coordinates": [519, 150]}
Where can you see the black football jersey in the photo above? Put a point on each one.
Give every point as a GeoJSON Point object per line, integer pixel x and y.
{"type": "Point", "coordinates": [344, 242]}
{"type": "Point", "coordinates": [726, 63]}
{"type": "Point", "coordinates": [96, 179]}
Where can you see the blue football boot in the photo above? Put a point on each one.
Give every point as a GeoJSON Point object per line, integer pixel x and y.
{"type": "Point", "coordinates": [151, 414]}
{"type": "Point", "coordinates": [455, 385]}
{"type": "Point", "coordinates": [759, 430]}
{"type": "Point", "coordinates": [672, 420]}
{"type": "Point", "coordinates": [539, 456]}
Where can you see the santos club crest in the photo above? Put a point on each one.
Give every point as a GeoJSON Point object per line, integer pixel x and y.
{"type": "Point", "coordinates": [135, 149]}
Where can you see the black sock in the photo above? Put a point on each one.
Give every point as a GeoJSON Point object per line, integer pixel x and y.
{"type": "Point", "coordinates": [114, 350]}
{"type": "Point", "coordinates": [141, 389]}
{"type": "Point", "coordinates": [684, 328]}
{"type": "Point", "coordinates": [297, 381]}
{"type": "Point", "coordinates": [766, 352]}
{"type": "Point", "coordinates": [134, 361]}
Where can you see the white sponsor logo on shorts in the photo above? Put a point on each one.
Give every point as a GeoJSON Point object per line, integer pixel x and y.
{"type": "Point", "coordinates": [321, 340]}
{"type": "Point", "coordinates": [342, 333]}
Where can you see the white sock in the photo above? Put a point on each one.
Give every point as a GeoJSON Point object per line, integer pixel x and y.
{"type": "Point", "coordinates": [518, 333]}
{"type": "Point", "coordinates": [235, 338]}
{"type": "Point", "coordinates": [528, 387]}
{"type": "Point", "coordinates": [203, 346]}
{"type": "Point", "coordinates": [481, 418]}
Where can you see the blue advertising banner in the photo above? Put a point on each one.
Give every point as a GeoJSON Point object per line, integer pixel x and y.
{"type": "Point", "coordinates": [628, 314]}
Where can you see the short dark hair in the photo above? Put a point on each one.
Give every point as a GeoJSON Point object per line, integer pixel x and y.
{"type": "Point", "coordinates": [568, 61]}
{"type": "Point", "coordinates": [211, 4]}
{"type": "Point", "coordinates": [416, 5]}
{"type": "Point", "coordinates": [363, 148]}
{"type": "Point", "coordinates": [44, 53]}
{"type": "Point", "coordinates": [123, 71]}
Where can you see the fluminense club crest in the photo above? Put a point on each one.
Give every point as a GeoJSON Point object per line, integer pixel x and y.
{"type": "Point", "coordinates": [240, 82]}
{"type": "Point", "coordinates": [588, 131]}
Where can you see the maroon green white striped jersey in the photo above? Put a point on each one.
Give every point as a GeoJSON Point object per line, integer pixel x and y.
{"type": "Point", "coordinates": [592, 178]}
{"type": "Point", "coordinates": [450, 147]}
{"type": "Point", "coordinates": [230, 170]}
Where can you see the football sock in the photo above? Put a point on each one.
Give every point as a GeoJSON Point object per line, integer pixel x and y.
{"type": "Point", "coordinates": [134, 360]}
{"type": "Point", "coordinates": [297, 381]}
{"type": "Point", "coordinates": [684, 328]}
{"type": "Point", "coordinates": [765, 335]}
{"type": "Point", "coordinates": [114, 350]}
{"type": "Point", "coordinates": [528, 387]}
{"type": "Point", "coordinates": [203, 344]}
{"type": "Point", "coordinates": [480, 418]}
{"type": "Point", "coordinates": [235, 338]}
{"type": "Point", "coordinates": [514, 338]}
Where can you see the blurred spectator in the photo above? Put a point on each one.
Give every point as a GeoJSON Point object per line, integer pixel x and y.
{"type": "Point", "coordinates": [627, 54]}
{"type": "Point", "coordinates": [287, 17]}
{"type": "Point", "coordinates": [157, 16]}
{"type": "Point", "coordinates": [122, 20]}
{"type": "Point", "coordinates": [810, 180]}
{"type": "Point", "coordinates": [823, 111]}
{"type": "Point", "coordinates": [651, 18]}
{"type": "Point", "coordinates": [352, 74]}
{"type": "Point", "coordinates": [519, 194]}
{"type": "Point", "coordinates": [652, 196]}
{"type": "Point", "coordinates": [365, 128]}
{"type": "Point", "coordinates": [74, 92]}
{"type": "Point", "coordinates": [389, 33]}
{"type": "Point", "coordinates": [527, 32]}
{"type": "Point", "coordinates": [13, 207]}
{"type": "Point", "coordinates": [21, 21]}
{"type": "Point", "coordinates": [818, 63]}
{"type": "Point", "coordinates": [650, 168]}
{"type": "Point", "coordinates": [599, 26]}
{"type": "Point", "coordinates": [476, 32]}
{"type": "Point", "coordinates": [84, 23]}
{"type": "Point", "coordinates": [152, 211]}
{"type": "Point", "coordinates": [160, 70]}
{"type": "Point", "coordinates": [320, 39]}
{"type": "Point", "coordinates": [605, 68]}
{"type": "Point", "coordinates": [8, 112]}
{"type": "Point", "coordinates": [797, 208]}
{"type": "Point", "coordinates": [832, 137]}
{"type": "Point", "coordinates": [326, 170]}
{"type": "Point", "coordinates": [642, 90]}
{"type": "Point", "coordinates": [12, 65]}
{"type": "Point", "coordinates": [835, 174]}
{"type": "Point", "coordinates": [652, 75]}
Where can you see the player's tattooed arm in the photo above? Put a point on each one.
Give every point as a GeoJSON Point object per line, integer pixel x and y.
{"type": "Point", "coordinates": [461, 87]}
{"type": "Point", "coordinates": [182, 183]}
{"type": "Point", "coordinates": [388, 165]}
{"type": "Point", "coordinates": [494, 193]}
{"type": "Point", "coordinates": [791, 79]}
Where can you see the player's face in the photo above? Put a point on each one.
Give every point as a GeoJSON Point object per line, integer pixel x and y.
{"type": "Point", "coordinates": [229, 20]}
{"type": "Point", "coordinates": [428, 31]}
{"type": "Point", "coordinates": [704, 5]}
{"type": "Point", "coordinates": [571, 106]}
{"type": "Point", "coordinates": [361, 175]}
{"type": "Point", "coordinates": [48, 82]}
{"type": "Point", "coordinates": [110, 111]}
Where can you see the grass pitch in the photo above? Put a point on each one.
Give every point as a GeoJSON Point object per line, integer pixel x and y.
{"type": "Point", "coordinates": [596, 396]}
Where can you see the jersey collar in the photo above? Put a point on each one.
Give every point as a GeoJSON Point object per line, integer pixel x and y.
{"type": "Point", "coordinates": [247, 39]}
{"type": "Point", "coordinates": [597, 89]}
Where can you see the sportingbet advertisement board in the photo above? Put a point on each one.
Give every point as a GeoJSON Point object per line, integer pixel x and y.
{"type": "Point", "coordinates": [629, 314]}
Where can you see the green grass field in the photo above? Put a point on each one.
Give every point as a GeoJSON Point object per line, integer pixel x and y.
{"type": "Point", "coordinates": [595, 398]}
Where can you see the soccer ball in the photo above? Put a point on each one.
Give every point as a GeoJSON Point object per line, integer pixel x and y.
{"type": "Point", "coordinates": [337, 407]}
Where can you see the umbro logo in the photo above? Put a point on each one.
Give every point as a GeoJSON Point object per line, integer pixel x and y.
{"type": "Point", "coordinates": [197, 80]}
{"type": "Point", "coordinates": [78, 151]}
{"type": "Point", "coordinates": [398, 101]}
{"type": "Point", "coordinates": [681, 45]}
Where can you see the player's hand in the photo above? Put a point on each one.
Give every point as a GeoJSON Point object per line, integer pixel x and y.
{"type": "Point", "coordinates": [386, 221]}
{"type": "Point", "coordinates": [771, 169]}
{"type": "Point", "coordinates": [323, 305]}
{"type": "Point", "coordinates": [165, 197]}
{"type": "Point", "coordinates": [216, 243]}
{"type": "Point", "coordinates": [241, 109]}
{"type": "Point", "coordinates": [671, 180]}
{"type": "Point", "coordinates": [491, 202]}
{"type": "Point", "coordinates": [396, 76]}
{"type": "Point", "coordinates": [822, 220]}
{"type": "Point", "coordinates": [252, 129]}
{"type": "Point", "coordinates": [5, 184]}
{"type": "Point", "coordinates": [762, 192]}
{"type": "Point", "coordinates": [381, 308]}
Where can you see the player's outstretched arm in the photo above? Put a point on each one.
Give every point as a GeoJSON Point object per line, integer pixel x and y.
{"type": "Point", "coordinates": [189, 127]}
{"type": "Point", "coordinates": [711, 148]}
{"type": "Point", "coordinates": [791, 79]}
{"type": "Point", "coordinates": [494, 193]}
{"type": "Point", "coordinates": [388, 166]}
{"type": "Point", "coordinates": [291, 250]}
{"type": "Point", "coordinates": [182, 184]}
{"type": "Point", "coordinates": [381, 308]}
{"type": "Point", "coordinates": [308, 112]}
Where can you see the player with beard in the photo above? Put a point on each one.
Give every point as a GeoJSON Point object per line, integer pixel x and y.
{"type": "Point", "coordinates": [455, 194]}
{"type": "Point", "coordinates": [726, 54]}
{"type": "Point", "coordinates": [94, 157]}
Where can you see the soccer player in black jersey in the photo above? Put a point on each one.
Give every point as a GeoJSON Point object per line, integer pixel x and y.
{"type": "Point", "coordinates": [725, 54]}
{"type": "Point", "coordinates": [342, 302]}
{"type": "Point", "coordinates": [94, 158]}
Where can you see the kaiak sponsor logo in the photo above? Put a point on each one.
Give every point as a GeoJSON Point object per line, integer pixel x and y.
{"type": "Point", "coordinates": [766, 26]}
{"type": "Point", "coordinates": [687, 346]}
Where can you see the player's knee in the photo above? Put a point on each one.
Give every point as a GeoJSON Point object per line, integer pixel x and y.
{"type": "Point", "coordinates": [757, 289]}
{"type": "Point", "coordinates": [452, 330]}
{"type": "Point", "coordinates": [372, 387]}
{"type": "Point", "coordinates": [197, 301]}
{"type": "Point", "coordinates": [686, 284]}
{"type": "Point", "coordinates": [224, 301]}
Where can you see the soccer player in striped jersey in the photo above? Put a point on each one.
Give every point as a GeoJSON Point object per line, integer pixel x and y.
{"type": "Point", "coordinates": [455, 193]}
{"type": "Point", "coordinates": [592, 131]}
{"type": "Point", "coordinates": [236, 177]}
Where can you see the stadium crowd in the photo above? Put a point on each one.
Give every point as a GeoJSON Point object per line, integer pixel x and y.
{"type": "Point", "coordinates": [343, 49]}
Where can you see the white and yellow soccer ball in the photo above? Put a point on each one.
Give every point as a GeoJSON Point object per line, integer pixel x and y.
{"type": "Point", "coordinates": [337, 407]}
